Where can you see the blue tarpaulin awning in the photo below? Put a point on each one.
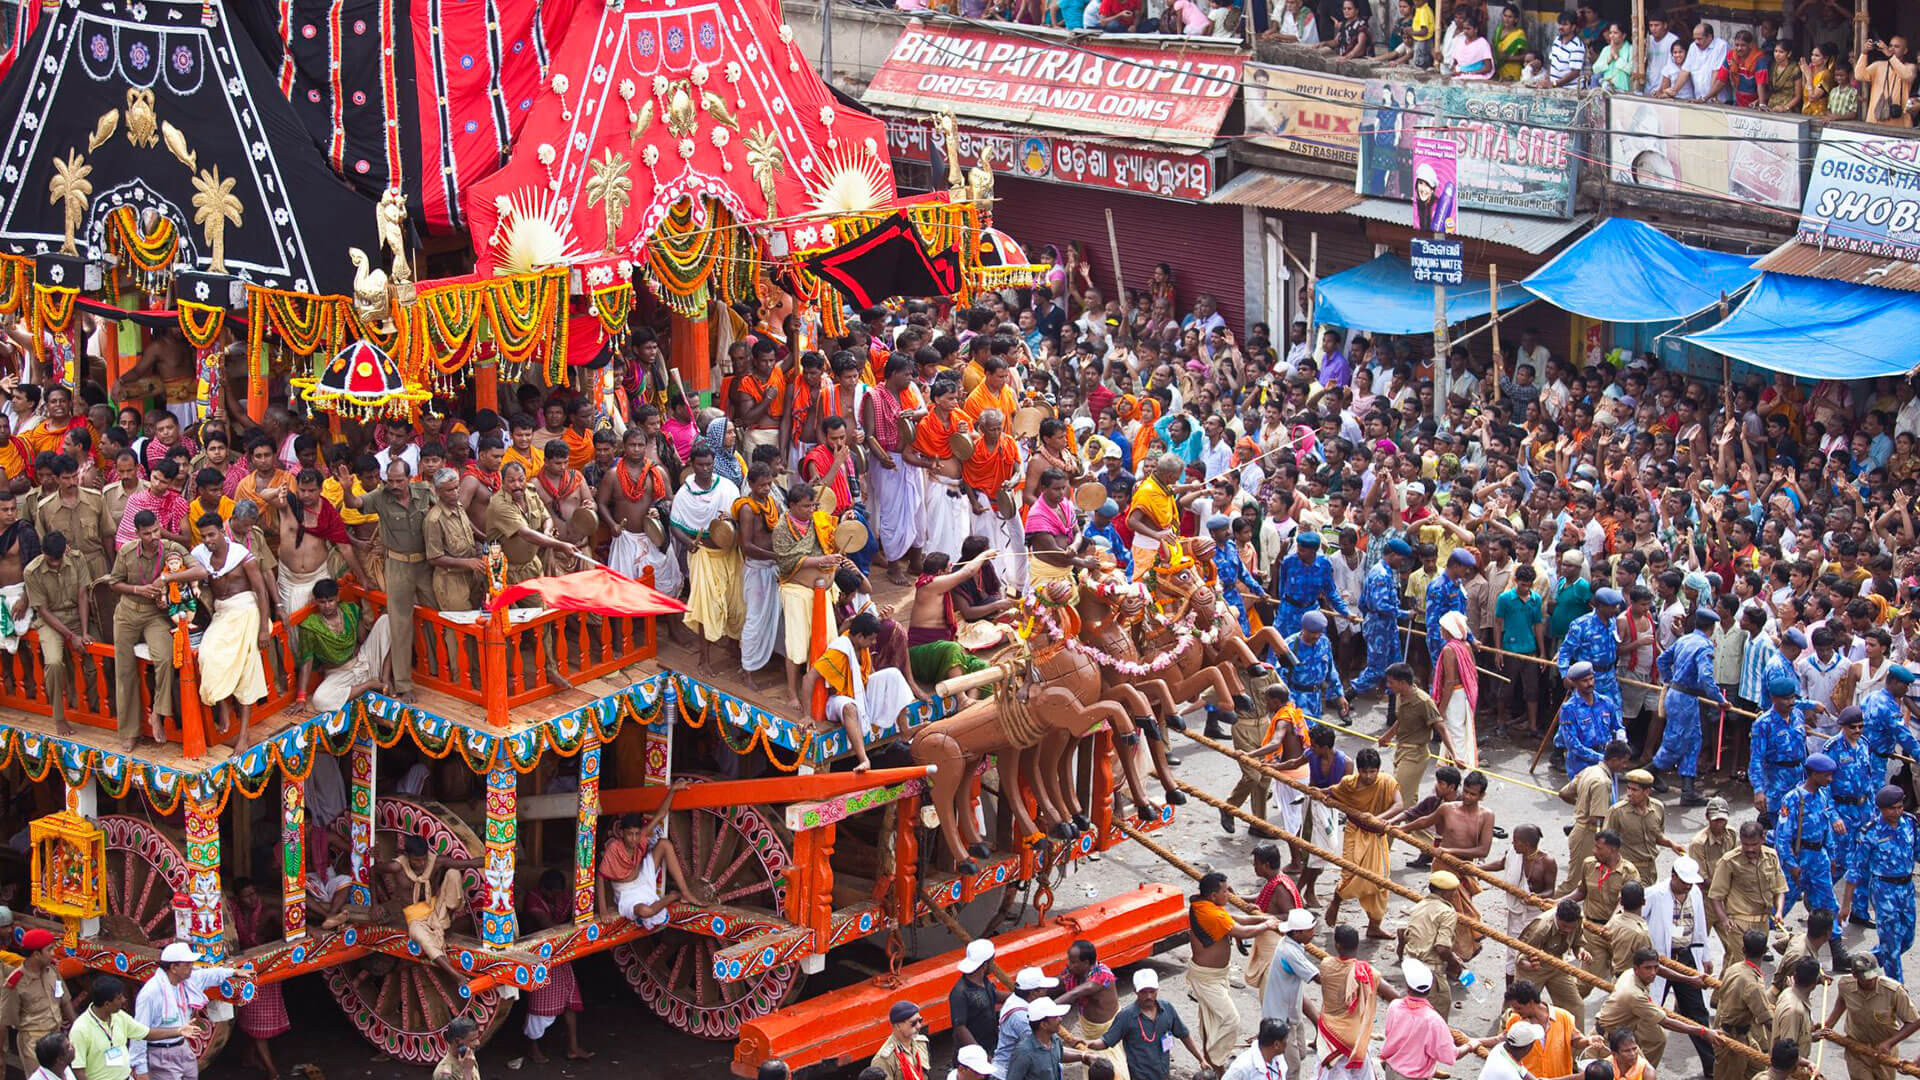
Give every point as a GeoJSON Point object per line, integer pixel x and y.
{"type": "Point", "coordinates": [1629, 271]}
{"type": "Point", "coordinates": [1819, 329]}
{"type": "Point", "coordinates": [1381, 297]}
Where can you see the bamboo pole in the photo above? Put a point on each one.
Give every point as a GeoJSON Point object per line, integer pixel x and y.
{"type": "Point", "coordinates": [1866, 1051]}
{"type": "Point", "coordinates": [1493, 314]}
{"type": "Point", "coordinates": [1113, 248]}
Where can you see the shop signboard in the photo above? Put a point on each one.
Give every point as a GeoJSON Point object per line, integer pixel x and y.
{"type": "Point", "coordinates": [1518, 150]}
{"type": "Point", "coordinates": [1304, 112]}
{"type": "Point", "coordinates": [1085, 162]}
{"type": "Point", "coordinates": [1697, 149]}
{"type": "Point", "coordinates": [1864, 195]}
{"type": "Point", "coordinates": [1173, 93]}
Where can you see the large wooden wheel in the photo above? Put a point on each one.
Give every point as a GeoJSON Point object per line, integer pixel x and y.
{"type": "Point", "coordinates": [146, 866]}
{"type": "Point", "coordinates": [403, 1007]}
{"type": "Point", "coordinates": [742, 854]}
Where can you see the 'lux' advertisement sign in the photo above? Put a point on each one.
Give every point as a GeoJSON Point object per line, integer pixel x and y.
{"type": "Point", "coordinates": [1864, 195]}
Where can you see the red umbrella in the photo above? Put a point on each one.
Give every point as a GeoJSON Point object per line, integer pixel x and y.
{"type": "Point", "coordinates": [593, 589]}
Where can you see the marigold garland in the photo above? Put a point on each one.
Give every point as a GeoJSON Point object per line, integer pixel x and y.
{"type": "Point", "coordinates": [200, 324]}
{"type": "Point", "coordinates": [16, 284]}
{"type": "Point", "coordinates": [149, 254]}
{"type": "Point", "coordinates": [612, 305]}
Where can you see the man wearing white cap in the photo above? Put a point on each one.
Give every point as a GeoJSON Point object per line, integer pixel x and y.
{"type": "Point", "coordinates": [168, 1000]}
{"type": "Point", "coordinates": [1038, 1056]}
{"type": "Point", "coordinates": [1417, 1041]}
{"type": "Point", "coordinates": [1676, 914]}
{"type": "Point", "coordinates": [1145, 1028]}
{"type": "Point", "coordinates": [1284, 995]}
{"type": "Point", "coordinates": [971, 1062]}
{"type": "Point", "coordinates": [974, 1004]}
{"type": "Point", "coordinates": [1014, 1024]}
{"type": "Point", "coordinates": [1503, 1061]}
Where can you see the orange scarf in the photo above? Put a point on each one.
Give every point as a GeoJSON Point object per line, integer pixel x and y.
{"type": "Point", "coordinates": [579, 447]}
{"type": "Point", "coordinates": [769, 513]}
{"type": "Point", "coordinates": [933, 435]}
{"type": "Point", "coordinates": [983, 399]}
{"type": "Point", "coordinates": [989, 469]}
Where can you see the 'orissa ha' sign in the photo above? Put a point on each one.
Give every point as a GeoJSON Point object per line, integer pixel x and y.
{"type": "Point", "coordinates": [1178, 94]}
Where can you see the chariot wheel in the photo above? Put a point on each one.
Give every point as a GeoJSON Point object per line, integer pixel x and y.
{"type": "Point", "coordinates": [403, 1007]}
{"type": "Point", "coordinates": [742, 854]}
{"type": "Point", "coordinates": [146, 866]}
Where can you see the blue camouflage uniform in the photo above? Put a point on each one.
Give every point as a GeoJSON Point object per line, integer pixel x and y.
{"type": "Point", "coordinates": [1443, 595]}
{"type": "Point", "coordinates": [1120, 552]}
{"type": "Point", "coordinates": [1802, 836]}
{"type": "Point", "coordinates": [1302, 589]}
{"type": "Point", "coordinates": [1586, 727]}
{"type": "Point", "coordinates": [1886, 728]}
{"type": "Point", "coordinates": [1590, 638]}
{"type": "Point", "coordinates": [1313, 675]}
{"type": "Point", "coordinates": [1882, 867]}
{"type": "Point", "coordinates": [1779, 756]}
{"type": "Point", "coordinates": [1854, 785]}
{"type": "Point", "coordinates": [1687, 669]}
{"type": "Point", "coordinates": [1380, 615]}
{"type": "Point", "coordinates": [1233, 574]}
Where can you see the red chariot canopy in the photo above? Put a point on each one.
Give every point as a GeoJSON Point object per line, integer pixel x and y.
{"type": "Point", "coordinates": [656, 104]}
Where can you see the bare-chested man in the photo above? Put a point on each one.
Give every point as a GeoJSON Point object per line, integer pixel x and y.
{"type": "Point", "coordinates": [166, 368]}
{"type": "Point", "coordinates": [230, 650]}
{"type": "Point", "coordinates": [266, 483]}
{"type": "Point", "coordinates": [310, 531]}
{"type": "Point", "coordinates": [19, 545]}
{"type": "Point", "coordinates": [1462, 828]}
{"type": "Point", "coordinates": [481, 479]}
{"type": "Point", "coordinates": [1530, 868]}
{"type": "Point", "coordinates": [930, 627]}
{"type": "Point", "coordinates": [1088, 986]}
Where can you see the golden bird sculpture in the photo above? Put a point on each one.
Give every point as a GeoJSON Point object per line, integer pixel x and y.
{"type": "Point", "coordinates": [371, 301]}
{"type": "Point", "coordinates": [682, 116]}
{"type": "Point", "coordinates": [176, 141]}
{"type": "Point", "coordinates": [103, 129]}
{"type": "Point", "coordinates": [142, 121]}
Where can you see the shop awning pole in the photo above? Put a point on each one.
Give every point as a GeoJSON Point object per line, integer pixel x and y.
{"type": "Point", "coordinates": [1486, 326]}
{"type": "Point", "coordinates": [1726, 363]}
{"type": "Point", "coordinates": [1313, 286]}
{"type": "Point", "coordinates": [1640, 65]}
{"type": "Point", "coordinates": [1441, 386]}
{"type": "Point", "coordinates": [1113, 247]}
{"type": "Point", "coordinates": [1493, 313]}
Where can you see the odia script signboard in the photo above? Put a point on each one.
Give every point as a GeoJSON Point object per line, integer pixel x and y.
{"type": "Point", "coordinates": [1167, 174]}
{"type": "Point", "coordinates": [1178, 94]}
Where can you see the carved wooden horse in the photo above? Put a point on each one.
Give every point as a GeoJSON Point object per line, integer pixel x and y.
{"type": "Point", "coordinates": [1108, 606]}
{"type": "Point", "coordinates": [1180, 596]}
{"type": "Point", "coordinates": [1232, 645]}
{"type": "Point", "coordinates": [1052, 687]}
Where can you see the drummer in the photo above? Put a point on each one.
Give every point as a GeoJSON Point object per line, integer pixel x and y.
{"type": "Point", "coordinates": [1053, 537]}
{"type": "Point", "coordinates": [714, 604]}
{"type": "Point", "coordinates": [1053, 450]}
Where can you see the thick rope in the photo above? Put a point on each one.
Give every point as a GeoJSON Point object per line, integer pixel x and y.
{"type": "Point", "coordinates": [1870, 1053]}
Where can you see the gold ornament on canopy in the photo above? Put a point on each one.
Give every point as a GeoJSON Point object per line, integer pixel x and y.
{"type": "Point", "coordinates": [611, 187]}
{"type": "Point", "coordinates": [214, 207]}
{"type": "Point", "coordinates": [71, 189]}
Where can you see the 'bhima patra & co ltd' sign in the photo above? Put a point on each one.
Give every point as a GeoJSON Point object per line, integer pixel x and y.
{"type": "Point", "coordinates": [1173, 92]}
{"type": "Point", "coordinates": [1519, 150]}
{"type": "Point", "coordinates": [1864, 195]}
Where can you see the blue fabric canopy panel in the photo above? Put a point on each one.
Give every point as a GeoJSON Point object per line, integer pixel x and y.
{"type": "Point", "coordinates": [1629, 271]}
{"type": "Point", "coordinates": [1381, 297]}
{"type": "Point", "coordinates": [1819, 329]}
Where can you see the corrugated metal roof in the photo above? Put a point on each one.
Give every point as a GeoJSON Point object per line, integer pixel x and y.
{"type": "Point", "coordinates": [1808, 260]}
{"type": "Point", "coordinates": [1279, 191]}
{"type": "Point", "coordinates": [1534, 235]}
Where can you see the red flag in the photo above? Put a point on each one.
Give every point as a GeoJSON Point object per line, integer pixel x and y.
{"type": "Point", "coordinates": [593, 589]}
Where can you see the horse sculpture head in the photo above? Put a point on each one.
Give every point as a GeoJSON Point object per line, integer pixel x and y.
{"type": "Point", "coordinates": [1178, 585]}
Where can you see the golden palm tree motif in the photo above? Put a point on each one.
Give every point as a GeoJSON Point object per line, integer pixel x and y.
{"type": "Point", "coordinates": [71, 189]}
{"type": "Point", "coordinates": [610, 185]}
{"type": "Point", "coordinates": [765, 160]}
{"type": "Point", "coordinates": [214, 205]}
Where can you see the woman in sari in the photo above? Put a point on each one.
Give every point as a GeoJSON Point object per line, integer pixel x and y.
{"type": "Point", "coordinates": [1816, 79]}
{"type": "Point", "coordinates": [1510, 44]}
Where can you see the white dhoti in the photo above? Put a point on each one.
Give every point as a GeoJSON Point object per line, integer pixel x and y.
{"type": "Point", "coordinates": [896, 495]}
{"type": "Point", "coordinates": [758, 437]}
{"type": "Point", "coordinates": [1008, 536]}
{"type": "Point", "coordinates": [296, 589]}
{"type": "Point", "coordinates": [1115, 1055]}
{"type": "Point", "coordinates": [760, 586]}
{"type": "Point", "coordinates": [12, 626]}
{"type": "Point", "coordinates": [1459, 719]}
{"type": "Point", "coordinates": [946, 519]}
{"type": "Point", "coordinates": [643, 889]}
{"type": "Point", "coordinates": [797, 613]}
{"type": "Point", "coordinates": [1310, 820]}
{"type": "Point", "coordinates": [365, 667]}
{"type": "Point", "coordinates": [632, 553]}
{"type": "Point", "coordinates": [879, 705]}
{"type": "Point", "coordinates": [713, 576]}
{"type": "Point", "coordinates": [229, 653]}
{"type": "Point", "coordinates": [1341, 1068]}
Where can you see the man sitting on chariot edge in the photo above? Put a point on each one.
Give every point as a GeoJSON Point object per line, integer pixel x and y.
{"type": "Point", "coordinates": [632, 863]}
{"type": "Point", "coordinates": [429, 908]}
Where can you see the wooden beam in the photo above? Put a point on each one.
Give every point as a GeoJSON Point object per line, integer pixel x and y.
{"type": "Point", "coordinates": [772, 789]}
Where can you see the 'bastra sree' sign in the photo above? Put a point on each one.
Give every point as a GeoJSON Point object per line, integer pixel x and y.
{"type": "Point", "coordinates": [1178, 94]}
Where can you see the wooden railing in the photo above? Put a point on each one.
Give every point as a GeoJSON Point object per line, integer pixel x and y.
{"type": "Point", "coordinates": [494, 662]}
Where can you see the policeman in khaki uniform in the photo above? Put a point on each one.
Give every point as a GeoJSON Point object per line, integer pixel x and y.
{"type": "Point", "coordinates": [1428, 937]}
{"type": "Point", "coordinates": [57, 581]}
{"type": "Point", "coordinates": [1741, 1009]}
{"type": "Point", "coordinates": [518, 521]}
{"type": "Point", "coordinates": [1746, 889]}
{"type": "Point", "coordinates": [453, 549]}
{"type": "Point", "coordinates": [402, 505]}
{"type": "Point", "coordinates": [34, 1003]}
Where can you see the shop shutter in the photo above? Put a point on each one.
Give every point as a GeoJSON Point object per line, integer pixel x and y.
{"type": "Point", "coordinates": [1201, 243]}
